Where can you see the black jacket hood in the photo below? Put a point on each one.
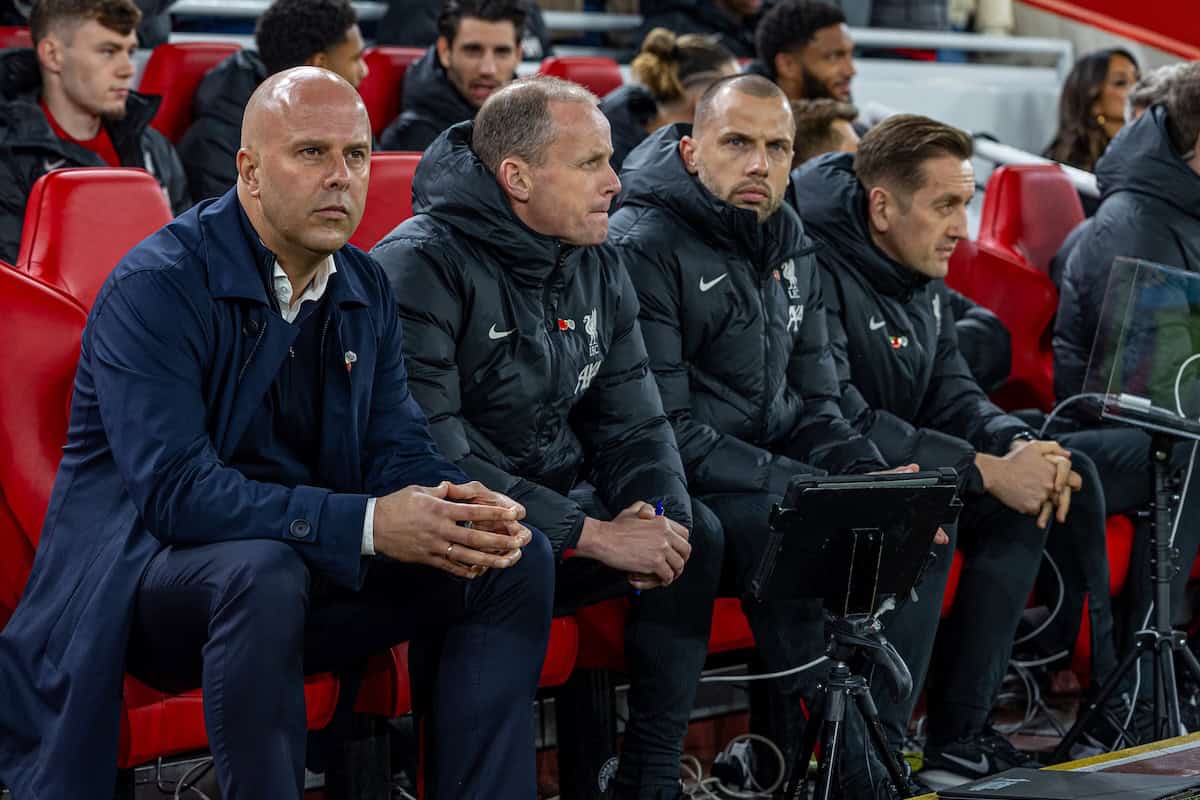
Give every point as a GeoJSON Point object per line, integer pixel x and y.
{"type": "Point", "coordinates": [428, 92]}
{"type": "Point", "coordinates": [826, 193]}
{"type": "Point", "coordinates": [629, 109]}
{"type": "Point", "coordinates": [654, 176]}
{"type": "Point", "coordinates": [452, 185]}
{"type": "Point", "coordinates": [1141, 159]}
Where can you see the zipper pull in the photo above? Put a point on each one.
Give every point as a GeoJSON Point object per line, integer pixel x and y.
{"type": "Point", "coordinates": [351, 357]}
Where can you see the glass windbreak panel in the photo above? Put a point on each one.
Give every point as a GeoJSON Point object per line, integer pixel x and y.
{"type": "Point", "coordinates": [1145, 362]}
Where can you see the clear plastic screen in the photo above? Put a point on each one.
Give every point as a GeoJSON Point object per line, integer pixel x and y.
{"type": "Point", "coordinates": [1145, 361]}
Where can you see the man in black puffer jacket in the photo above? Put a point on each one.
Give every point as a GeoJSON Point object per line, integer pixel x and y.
{"type": "Point", "coordinates": [68, 112]}
{"type": "Point", "coordinates": [524, 350]}
{"type": "Point", "coordinates": [732, 313]}
{"type": "Point", "coordinates": [890, 217]}
{"type": "Point", "coordinates": [477, 51]}
{"type": "Point", "coordinates": [290, 33]}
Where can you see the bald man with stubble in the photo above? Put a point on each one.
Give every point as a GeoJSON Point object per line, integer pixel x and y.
{"type": "Point", "coordinates": [250, 494]}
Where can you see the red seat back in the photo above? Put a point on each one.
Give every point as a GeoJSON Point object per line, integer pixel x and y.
{"type": "Point", "coordinates": [173, 72]}
{"type": "Point", "coordinates": [384, 83]}
{"type": "Point", "coordinates": [389, 197]}
{"type": "Point", "coordinates": [597, 74]}
{"type": "Point", "coordinates": [1025, 301]}
{"type": "Point", "coordinates": [15, 36]}
{"type": "Point", "coordinates": [79, 223]}
{"type": "Point", "coordinates": [1028, 210]}
{"type": "Point", "coordinates": [40, 328]}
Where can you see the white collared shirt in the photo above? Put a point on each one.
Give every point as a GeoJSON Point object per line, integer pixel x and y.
{"type": "Point", "coordinates": [314, 292]}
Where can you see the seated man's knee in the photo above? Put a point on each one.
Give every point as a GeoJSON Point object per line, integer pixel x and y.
{"type": "Point", "coordinates": [536, 567]}
{"type": "Point", "coordinates": [268, 584]}
{"type": "Point", "coordinates": [707, 537]}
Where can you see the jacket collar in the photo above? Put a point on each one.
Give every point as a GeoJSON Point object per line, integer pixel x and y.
{"type": "Point", "coordinates": [230, 257]}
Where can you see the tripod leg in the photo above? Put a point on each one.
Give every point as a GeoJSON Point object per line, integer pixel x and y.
{"type": "Point", "coordinates": [798, 771]}
{"type": "Point", "coordinates": [870, 715]}
{"type": "Point", "coordinates": [1063, 751]}
{"type": "Point", "coordinates": [831, 744]}
{"type": "Point", "coordinates": [1170, 689]}
{"type": "Point", "coordinates": [1189, 658]}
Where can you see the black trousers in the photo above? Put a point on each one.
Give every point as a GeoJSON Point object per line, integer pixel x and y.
{"type": "Point", "coordinates": [246, 620]}
{"type": "Point", "coordinates": [666, 642]}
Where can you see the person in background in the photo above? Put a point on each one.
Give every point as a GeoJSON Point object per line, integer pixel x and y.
{"type": "Point", "coordinates": [477, 51]}
{"type": "Point", "coordinates": [987, 17]}
{"type": "Point", "coordinates": [1091, 108]}
{"type": "Point", "coordinates": [69, 102]}
{"type": "Point", "coordinates": [823, 126]}
{"type": "Point", "coordinates": [670, 73]}
{"type": "Point", "coordinates": [732, 22]}
{"type": "Point", "coordinates": [805, 47]}
{"type": "Point", "coordinates": [290, 33]}
{"type": "Point", "coordinates": [413, 23]}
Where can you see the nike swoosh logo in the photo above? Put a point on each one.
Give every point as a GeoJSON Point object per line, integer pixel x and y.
{"type": "Point", "coordinates": [706, 285]}
{"type": "Point", "coordinates": [495, 334]}
{"type": "Point", "coordinates": [53, 165]}
{"type": "Point", "coordinates": [980, 766]}
{"type": "Point", "coordinates": [876, 324]}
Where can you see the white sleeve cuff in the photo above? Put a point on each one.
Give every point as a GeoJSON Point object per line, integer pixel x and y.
{"type": "Point", "coordinates": [368, 540]}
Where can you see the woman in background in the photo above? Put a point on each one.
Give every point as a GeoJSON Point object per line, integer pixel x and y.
{"type": "Point", "coordinates": [670, 74]}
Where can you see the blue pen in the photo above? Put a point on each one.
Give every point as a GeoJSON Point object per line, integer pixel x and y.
{"type": "Point", "coordinates": [658, 512]}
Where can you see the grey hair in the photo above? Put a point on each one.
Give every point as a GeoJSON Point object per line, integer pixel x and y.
{"type": "Point", "coordinates": [1151, 89]}
{"type": "Point", "coordinates": [517, 121]}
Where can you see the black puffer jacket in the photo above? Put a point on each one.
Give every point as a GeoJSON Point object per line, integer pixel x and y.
{"type": "Point", "coordinates": [629, 109]}
{"type": "Point", "coordinates": [734, 324]}
{"type": "Point", "coordinates": [29, 149]}
{"type": "Point", "coordinates": [703, 17]}
{"type": "Point", "coordinates": [525, 353]}
{"type": "Point", "coordinates": [1149, 209]}
{"type": "Point", "coordinates": [429, 105]}
{"type": "Point", "coordinates": [209, 148]}
{"type": "Point", "coordinates": [984, 342]}
{"type": "Point", "coordinates": [904, 382]}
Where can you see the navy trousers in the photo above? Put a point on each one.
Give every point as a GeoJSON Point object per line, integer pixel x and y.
{"type": "Point", "coordinates": [246, 621]}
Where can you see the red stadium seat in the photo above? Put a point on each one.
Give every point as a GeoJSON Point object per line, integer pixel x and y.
{"type": "Point", "coordinates": [389, 197]}
{"type": "Point", "coordinates": [72, 237]}
{"type": "Point", "coordinates": [1028, 210]}
{"type": "Point", "coordinates": [15, 36]}
{"type": "Point", "coordinates": [1025, 301]}
{"type": "Point", "coordinates": [173, 72]}
{"type": "Point", "coordinates": [40, 330]}
{"type": "Point", "coordinates": [384, 83]}
{"type": "Point", "coordinates": [599, 75]}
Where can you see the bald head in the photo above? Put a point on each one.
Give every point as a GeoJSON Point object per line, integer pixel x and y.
{"type": "Point", "coordinates": [728, 91]}
{"type": "Point", "coordinates": [301, 89]}
{"type": "Point", "coordinates": [304, 162]}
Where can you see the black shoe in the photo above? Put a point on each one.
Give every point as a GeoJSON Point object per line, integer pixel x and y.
{"type": "Point", "coordinates": [977, 756]}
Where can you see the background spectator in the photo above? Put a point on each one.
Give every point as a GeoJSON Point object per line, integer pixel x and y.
{"type": "Point", "coordinates": [806, 48]}
{"type": "Point", "coordinates": [152, 31]}
{"type": "Point", "coordinates": [671, 72]}
{"type": "Point", "coordinates": [291, 33]}
{"type": "Point", "coordinates": [823, 126]}
{"type": "Point", "coordinates": [413, 23]}
{"type": "Point", "coordinates": [477, 51]}
{"type": "Point", "coordinates": [69, 103]}
{"type": "Point", "coordinates": [992, 17]}
{"type": "Point", "coordinates": [1091, 108]}
{"type": "Point", "coordinates": [732, 21]}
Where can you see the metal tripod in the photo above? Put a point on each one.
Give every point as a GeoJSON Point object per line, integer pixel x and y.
{"type": "Point", "coordinates": [1160, 640]}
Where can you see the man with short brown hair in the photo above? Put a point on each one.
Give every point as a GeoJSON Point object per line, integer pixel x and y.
{"type": "Point", "coordinates": [823, 126]}
{"type": "Point", "coordinates": [69, 103]}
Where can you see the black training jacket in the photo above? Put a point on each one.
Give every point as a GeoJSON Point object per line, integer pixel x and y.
{"type": "Point", "coordinates": [429, 104]}
{"type": "Point", "coordinates": [209, 148]}
{"type": "Point", "coordinates": [1149, 209]}
{"type": "Point", "coordinates": [29, 148]}
{"type": "Point", "coordinates": [734, 323]}
{"type": "Point", "coordinates": [525, 353]}
{"type": "Point", "coordinates": [904, 382]}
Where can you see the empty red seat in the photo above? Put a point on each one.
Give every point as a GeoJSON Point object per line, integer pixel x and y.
{"type": "Point", "coordinates": [389, 197]}
{"type": "Point", "coordinates": [384, 83]}
{"type": "Point", "coordinates": [1025, 301]}
{"type": "Point", "coordinates": [599, 75]}
{"type": "Point", "coordinates": [79, 223]}
{"type": "Point", "coordinates": [1028, 210]}
{"type": "Point", "coordinates": [15, 36]}
{"type": "Point", "coordinates": [173, 72]}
